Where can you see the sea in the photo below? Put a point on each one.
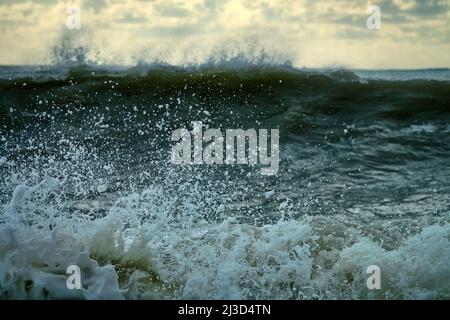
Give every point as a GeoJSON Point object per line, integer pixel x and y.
{"type": "Point", "coordinates": [86, 180]}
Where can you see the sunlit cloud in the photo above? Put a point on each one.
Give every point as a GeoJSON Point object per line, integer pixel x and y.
{"type": "Point", "coordinates": [321, 33]}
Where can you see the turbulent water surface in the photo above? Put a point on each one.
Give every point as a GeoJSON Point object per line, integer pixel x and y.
{"type": "Point", "coordinates": [85, 179]}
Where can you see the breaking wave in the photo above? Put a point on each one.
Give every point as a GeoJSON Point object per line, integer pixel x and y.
{"type": "Point", "coordinates": [85, 179]}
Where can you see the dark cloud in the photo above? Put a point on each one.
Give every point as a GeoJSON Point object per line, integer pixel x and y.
{"type": "Point", "coordinates": [174, 10]}
{"type": "Point", "coordinates": [429, 7]}
{"type": "Point", "coordinates": [418, 9]}
{"type": "Point", "coordinates": [131, 18]}
{"type": "Point", "coordinates": [96, 5]}
{"type": "Point", "coordinates": [214, 4]}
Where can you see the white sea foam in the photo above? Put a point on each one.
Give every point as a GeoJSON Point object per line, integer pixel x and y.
{"type": "Point", "coordinates": [140, 249]}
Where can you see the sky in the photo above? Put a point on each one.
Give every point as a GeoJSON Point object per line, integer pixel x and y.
{"type": "Point", "coordinates": [307, 33]}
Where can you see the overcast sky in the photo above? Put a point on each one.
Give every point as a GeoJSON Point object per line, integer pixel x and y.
{"type": "Point", "coordinates": [310, 33]}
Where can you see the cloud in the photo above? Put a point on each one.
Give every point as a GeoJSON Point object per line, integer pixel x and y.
{"type": "Point", "coordinates": [96, 5]}
{"type": "Point", "coordinates": [129, 17]}
{"type": "Point", "coordinates": [176, 9]}
{"type": "Point", "coordinates": [429, 8]}
{"type": "Point", "coordinates": [311, 33]}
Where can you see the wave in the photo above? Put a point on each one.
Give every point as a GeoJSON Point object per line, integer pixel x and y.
{"type": "Point", "coordinates": [85, 180]}
{"type": "Point", "coordinates": [238, 64]}
{"type": "Point", "coordinates": [290, 92]}
{"type": "Point", "coordinates": [194, 239]}
{"type": "Point", "coordinates": [141, 251]}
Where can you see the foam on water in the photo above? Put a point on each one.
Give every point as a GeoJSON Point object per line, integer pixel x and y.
{"type": "Point", "coordinates": [139, 249]}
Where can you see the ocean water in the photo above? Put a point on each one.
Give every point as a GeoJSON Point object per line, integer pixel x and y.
{"type": "Point", "coordinates": [85, 179]}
